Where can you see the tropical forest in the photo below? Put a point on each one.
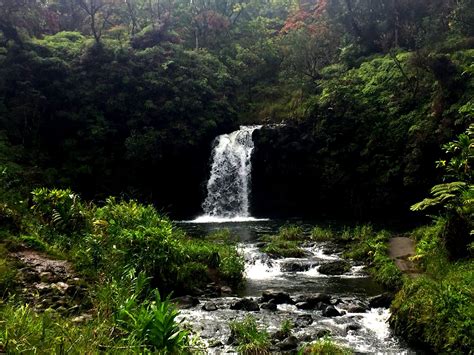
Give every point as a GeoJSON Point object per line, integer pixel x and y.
{"type": "Point", "coordinates": [236, 177]}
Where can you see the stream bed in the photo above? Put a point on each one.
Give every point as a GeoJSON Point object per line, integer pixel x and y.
{"type": "Point", "coordinates": [293, 289]}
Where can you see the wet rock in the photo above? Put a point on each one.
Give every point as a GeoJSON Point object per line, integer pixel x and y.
{"type": "Point", "coordinates": [226, 291]}
{"type": "Point", "coordinates": [270, 306]}
{"type": "Point", "coordinates": [335, 268]}
{"type": "Point", "coordinates": [260, 244]}
{"type": "Point", "coordinates": [330, 311]}
{"type": "Point", "coordinates": [209, 306]}
{"type": "Point", "coordinates": [381, 301]}
{"type": "Point", "coordinates": [357, 309]}
{"type": "Point", "coordinates": [315, 298]}
{"type": "Point", "coordinates": [245, 304]}
{"type": "Point", "coordinates": [289, 343]}
{"type": "Point", "coordinates": [296, 266]}
{"type": "Point", "coordinates": [185, 302]}
{"type": "Point", "coordinates": [353, 327]}
{"type": "Point", "coordinates": [305, 305]}
{"type": "Point", "coordinates": [323, 333]}
{"type": "Point", "coordinates": [303, 320]}
{"type": "Point", "coordinates": [276, 297]}
{"type": "Point", "coordinates": [279, 335]}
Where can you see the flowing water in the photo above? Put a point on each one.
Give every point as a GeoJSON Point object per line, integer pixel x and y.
{"type": "Point", "coordinates": [228, 187]}
{"type": "Point", "coordinates": [366, 332]}
{"type": "Point", "coordinates": [228, 201]}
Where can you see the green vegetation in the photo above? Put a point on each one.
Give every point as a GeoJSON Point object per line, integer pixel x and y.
{"type": "Point", "coordinates": [324, 346]}
{"type": "Point", "coordinates": [124, 98]}
{"type": "Point", "coordinates": [250, 339]}
{"type": "Point", "coordinates": [128, 253]}
{"type": "Point", "coordinates": [436, 309]}
{"type": "Point", "coordinates": [286, 244]}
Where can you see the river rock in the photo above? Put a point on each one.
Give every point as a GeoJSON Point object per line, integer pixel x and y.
{"type": "Point", "coordinates": [303, 320]}
{"type": "Point", "coordinates": [209, 306]}
{"type": "Point", "coordinates": [270, 306]}
{"type": "Point", "coordinates": [353, 327]}
{"type": "Point", "coordinates": [226, 291]}
{"type": "Point", "coordinates": [296, 266]}
{"type": "Point", "coordinates": [276, 297]}
{"type": "Point", "coordinates": [185, 302]}
{"type": "Point", "coordinates": [289, 343]}
{"type": "Point", "coordinates": [357, 309]}
{"type": "Point", "coordinates": [330, 311]}
{"type": "Point", "coordinates": [323, 333]}
{"type": "Point", "coordinates": [245, 304]}
{"type": "Point", "coordinates": [314, 298]}
{"type": "Point", "coordinates": [381, 301]}
{"type": "Point", "coordinates": [338, 267]}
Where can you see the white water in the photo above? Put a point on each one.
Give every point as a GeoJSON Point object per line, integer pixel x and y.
{"type": "Point", "coordinates": [228, 188]}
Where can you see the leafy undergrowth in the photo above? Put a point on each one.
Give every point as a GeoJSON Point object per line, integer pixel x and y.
{"type": "Point", "coordinates": [126, 251]}
{"type": "Point", "coordinates": [249, 337]}
{"type": "Point", "coordinates": [324, 346]}
{"type": "Point", "coordinates": [436, 310]}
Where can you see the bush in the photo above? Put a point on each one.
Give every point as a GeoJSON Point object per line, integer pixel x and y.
{"type": "Point", "coordinates": [283, 248]}
{"type": "Point", "coordinates": [324, 346]}
{"type": "Point", "coordinates": [438, 312]}
{"type": "Point", "coordinates": [322, 234]}
{"type": "Point", "coordinates": [62, 212]}
{"type": "Point", "coordinates": [250, 339]}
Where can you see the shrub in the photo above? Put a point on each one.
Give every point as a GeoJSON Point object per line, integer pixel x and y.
{"type": "Point", "coordinates": [62, 211]}
{"type": "Point", "coordinates": [324, 346]}
{"type": "Point", "coordinates": [291, 232]}
{"type": "Point", "coordinates": [250, 339]}
{"type": "Point", "coordinates": [438, 312]}
{"type": "Point", "coordinates": [321, 234]}
{"type": "Point", "coordinates": [283, 248]}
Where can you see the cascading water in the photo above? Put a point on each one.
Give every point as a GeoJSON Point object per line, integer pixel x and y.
{"type": "Point", "coordinates": [228, 188]}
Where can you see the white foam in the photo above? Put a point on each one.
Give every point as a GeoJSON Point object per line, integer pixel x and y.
{"type": "Point", "coordinates": [214, 219]}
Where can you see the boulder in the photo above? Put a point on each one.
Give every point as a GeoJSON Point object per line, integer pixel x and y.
{"type": "Point", "coordinates": [303, 320]}
{"type": "Point", "coordinates": [185, 302]}
{"type": "Point", "coordinates": [245, 304]}
{"type": "Point", "coordinates": [335, 268]}
{"type": "Point", "coordinates": [276, 297]}
{"type": "Point", "coordinates": [209, 306]}
{"type": "Point", "coordinates": [381, 301]}
{"type": "Point", "coordinates": [353, 327]}
{"type": "Point", "coordinates": [289, 343]}
{"type": "Point", "coordinates": [330, 311]}
{"type": "Point", "coordinates": [323, 333]}
{"type": "Point", "coordinates": [357, 309]}
{"type": "Point", "coordinates": [297, 266]}
{"type": "Point", "coordinates": [270, 306]}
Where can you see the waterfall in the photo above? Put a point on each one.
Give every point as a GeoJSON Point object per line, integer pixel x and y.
{"type": "Point", "coordinates": [228, 188]}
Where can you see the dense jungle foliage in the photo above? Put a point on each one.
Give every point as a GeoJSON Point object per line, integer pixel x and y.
{"type": "Point", "coordinates": [111, 97]}
{"type": "Point", "coordinates": [368, 109]}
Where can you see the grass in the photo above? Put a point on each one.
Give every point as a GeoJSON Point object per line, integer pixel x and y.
{"type": "Point", "coordinates": [286, 244]}
{"type": "Point", "coordinates": [250, 339]}
{"type": "Point", "coordinates": [125, 251]}
{"type": "Point", "coordinates": [324, 346]}
{"type": "Point", "coordinates": [372, 248]}
{"type": "Point", "coordinates": [436, 310]}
